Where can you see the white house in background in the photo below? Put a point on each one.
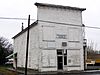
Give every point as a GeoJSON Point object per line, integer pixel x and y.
{"type": "Point", "coordinates": [55, 40]}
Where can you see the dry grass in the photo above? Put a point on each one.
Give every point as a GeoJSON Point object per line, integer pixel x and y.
{"type": "Point", "coordinates": [4, 71]}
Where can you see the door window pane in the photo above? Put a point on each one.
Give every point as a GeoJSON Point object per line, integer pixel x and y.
{"type": "Point", "coordinates": [65, 60]}
{"type": "Point", "coordinates": [65, 52]}
{"type": "Point", "coordinates": [59, 52]}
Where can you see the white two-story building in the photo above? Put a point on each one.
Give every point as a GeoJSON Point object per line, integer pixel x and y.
{"type": "Point", "coordinates": [55, 39]}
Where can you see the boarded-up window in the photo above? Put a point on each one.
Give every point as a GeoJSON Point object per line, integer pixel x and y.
{"type": "Point", "coordinates": [51, 45]}
{"type": "Point", "coordinates": [73, 57]}
{"type": "Point", "coordinates": [48, 33]}
{"type": "Point", "coordinates": [48, 58]}
{"type": "Point", "coordinates": [74, 34]}
{"type": "Point", "coordinates": [48, 44]}
{"type": "Point", "coordinates": [74, 45]}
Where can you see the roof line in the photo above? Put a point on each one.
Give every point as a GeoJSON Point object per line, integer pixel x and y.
{"type": "Point", "coordinates": [59, 6]}
{"type": "Point", "coordinates": [24, 30]}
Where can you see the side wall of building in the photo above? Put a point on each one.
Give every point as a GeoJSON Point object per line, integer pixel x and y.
{"type": "Point", "coordinates": [20, 48]}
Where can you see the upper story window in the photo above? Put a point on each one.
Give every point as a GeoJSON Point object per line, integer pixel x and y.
{"type": "Point", "coordinates": [48, 33]}
{"type": "Point", "coordinates": [74, 34]}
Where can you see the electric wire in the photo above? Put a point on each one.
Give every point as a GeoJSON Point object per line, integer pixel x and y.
{"type": "Point", "coordinates": [9, 18]}
{"type": "Point", "coordinates": [71, 24]}
{"type": "Point", "coordinates": [15, 18]}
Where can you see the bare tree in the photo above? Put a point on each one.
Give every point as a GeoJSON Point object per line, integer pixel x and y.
{"type": "Point", "coordinates": [91, 50]}
{"type": "Point", "coordinates": [6, 48]}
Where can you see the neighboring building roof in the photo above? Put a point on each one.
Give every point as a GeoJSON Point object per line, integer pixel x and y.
{"type": "Point", "coordinates": [59, 6]}
{"type": "Point", "coordinates": [11, 55]}
{"type": "Point", "coordinates": [24, 30]}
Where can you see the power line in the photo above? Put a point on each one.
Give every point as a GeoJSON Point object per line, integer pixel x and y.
{"type": "Point", "coordinates": [59, 23]}
{"type": "Point", "coordinates": [92, 27]}
{"type": "Point", "coordinates": [71, 24]}
{"type": "Point", "coordinates": [8, 18]}
{"type": "Point", "coordinates": [15, 18]}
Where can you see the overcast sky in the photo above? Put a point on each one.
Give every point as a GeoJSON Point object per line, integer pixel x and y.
{"type": "Point", "coordinates": [22, 8]}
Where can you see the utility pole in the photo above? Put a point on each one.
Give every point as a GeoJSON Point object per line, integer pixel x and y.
{"type": "Point", "coordinates": [27, 44]}
{"type": "Point", "coordinates": [85, 53]}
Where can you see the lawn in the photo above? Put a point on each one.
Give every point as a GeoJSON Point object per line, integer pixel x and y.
{"type": "Point", "coordinates": [5, 71]}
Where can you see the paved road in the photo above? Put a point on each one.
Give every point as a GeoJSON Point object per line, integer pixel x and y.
{"type": "Point", "coordinates": [93, 67]}
{"type": "Point", "coordinates": [67, 74]}
{"type": "Point", "coordinates": [83, 74]}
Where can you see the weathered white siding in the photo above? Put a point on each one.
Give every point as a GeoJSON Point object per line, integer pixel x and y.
{"type": "Point", "coordinates": [34, 48]}
{"type": "Point", "coordinates": [48, 47]}
{"type": "Point", "coordinates": [54, 33]}
{"type": "Point", "coordinates": [55, 26]}
{"type": "Point", "coordinates": [20, 48]}
{"type": "Point", "coordinates": [49, 60]}
{"type": "Point", "coordinates": [60, 15]}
